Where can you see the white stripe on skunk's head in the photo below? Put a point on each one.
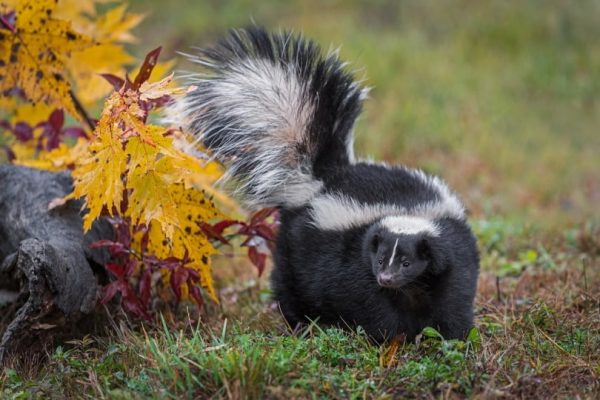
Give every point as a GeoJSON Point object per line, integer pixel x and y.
{"type": "Point", "coordinates": [409, 225]}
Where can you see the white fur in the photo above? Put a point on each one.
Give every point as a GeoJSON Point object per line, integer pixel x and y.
{"type": "Point", "coordinates": [393, 253]}
{"type": "Point", "coordinates": [450, 203]}
{"type": "Point", "coordinates": [339, 212]}
{"type": "Point", "coordinates": [350, 148]}
{"type": "Point", "coordinates": [272, 110]}
{"type": "Point", "coordinates": [409, 225]}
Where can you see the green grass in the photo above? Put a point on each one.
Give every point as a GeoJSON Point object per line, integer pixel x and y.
{"type": "Point", "coordinates": [501, 99]}
{"type": "Point", "coordinates": [241, 364]}
{"type": "Point", "coordinates": [537, 336]}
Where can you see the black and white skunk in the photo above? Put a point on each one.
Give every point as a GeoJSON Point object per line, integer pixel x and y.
{"type": "Point", "coordinates": [383, 247]}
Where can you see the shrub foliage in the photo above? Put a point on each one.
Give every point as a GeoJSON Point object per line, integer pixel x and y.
{"type": "Point", "coordinates": [57, 60]}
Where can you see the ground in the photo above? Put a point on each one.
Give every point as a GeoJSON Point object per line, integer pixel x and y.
{"type": "Point", "coordinates": [502, 100]}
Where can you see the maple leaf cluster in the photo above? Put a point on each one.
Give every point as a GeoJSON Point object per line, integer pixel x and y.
{"type": "Point", "coordinates": [132, 257]}
{"type": "Point", "coordinates": [56, 59]}
{"type": "Point", "coordinates": [52, 53]}
{"type": "Point", "coordinates": [49, 49]}
{"type": "Point", "coordinates": [133, 170]}
{"type": "Point", "coordinates": [259, 233]}
{"type": "Point", "coordinates": [34, 46]}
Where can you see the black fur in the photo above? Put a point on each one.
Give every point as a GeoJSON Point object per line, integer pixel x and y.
{"type": "Point", "coordinates": [329, 275]}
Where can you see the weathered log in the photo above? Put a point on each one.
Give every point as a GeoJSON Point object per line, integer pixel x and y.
{"type": "Point", "coordinates": [45, 261]}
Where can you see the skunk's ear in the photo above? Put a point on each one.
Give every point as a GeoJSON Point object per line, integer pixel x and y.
{"type": "Point", "coordinates": [424, 250]}
{"type": "Point", "coordinates": [429, 250]}
{"type": "Point", "coordinates": [375, 240]}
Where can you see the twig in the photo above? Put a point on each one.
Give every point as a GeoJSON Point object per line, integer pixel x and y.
{"type": "Point", "coordinates": [584, 265]}
{"type": "Point", "coordinates": [498, 291]}
{"type": "Point", "coordinates": [82, 112]}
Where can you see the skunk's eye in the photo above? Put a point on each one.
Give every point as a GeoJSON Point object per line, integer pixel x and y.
{"type": "Point", "coordinates": [405, 264]}
{"type": "Point", "coordinates": [375, 243]}
{"type": "Point", "coordinates": [380, 261]}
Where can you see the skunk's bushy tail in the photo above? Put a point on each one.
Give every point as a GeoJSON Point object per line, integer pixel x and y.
{"type": "Point", "coordinates": [275, 110]}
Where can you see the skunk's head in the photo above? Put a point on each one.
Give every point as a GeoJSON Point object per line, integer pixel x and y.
{"type": "Point", "coordinates": [399, 250]}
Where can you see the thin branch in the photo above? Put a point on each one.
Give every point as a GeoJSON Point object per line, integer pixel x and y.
{"type": "Point", "coordinates": [82, 112]}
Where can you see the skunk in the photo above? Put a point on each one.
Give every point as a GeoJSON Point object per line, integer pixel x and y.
{"type": "Point", "coordinates": [383, 247]}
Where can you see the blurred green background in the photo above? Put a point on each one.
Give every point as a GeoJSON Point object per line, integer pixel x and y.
{"type": "Point", "coordinates": [501, 98]}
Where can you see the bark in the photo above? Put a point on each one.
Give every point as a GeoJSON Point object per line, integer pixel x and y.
{"type": "Point", "coordinates": [46, 266]}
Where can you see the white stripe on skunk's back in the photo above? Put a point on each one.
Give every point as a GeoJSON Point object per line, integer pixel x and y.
{"type": "Point", "coordinates": [339, 211]}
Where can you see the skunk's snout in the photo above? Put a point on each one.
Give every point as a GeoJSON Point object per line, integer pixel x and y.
{"type": "Point", "coordinates": [385, 279]}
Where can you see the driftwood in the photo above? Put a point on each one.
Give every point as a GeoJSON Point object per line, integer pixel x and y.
{"type": "Point", "coordinates": [46, 266]}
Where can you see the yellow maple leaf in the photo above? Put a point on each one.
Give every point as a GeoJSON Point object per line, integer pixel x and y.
{"type": "Point", "coordinates": [167, 189]}
{"type": "Point", "coordinates": [23, 151]}
{"type": "Point", "coordinates": [150, 197]}
{"type": "Point", "coordinates": [59, 159]}
{"type": "Point", "coordinates": [7, 104]}
{"type": "Point", "coordinates": [87, 65]}
{"type": "Point", "coordinates": [203, 174]}
{"type": "Point", "coordinates": [8, 5]}
{"type": "Point", "coordinates": [98, 175]}
{"type": "Point", "coordinates": [193, 208]}
{"type": "Point", "coordinates": [31, 113]}
{"type": "Point", "coordinates": [33, 55]}
{"type": "Point", "coordinates": [160, 199]}
{"type": "Point", "coordinates": [155, 171]}
{"type": "Point", "coordinates": [109, 30]}
{"type": "Point", "coordinates": [115, 25]}
{"type": "Point", "coordinates": [77, 11]}
{"type": "Point", "coordinates": [160, 247]}
{"type": "Point", "coordinates": [152, 135]}
{"type": "Point", "coordinates": [101, 51]}
{"type": "Point", "coordinates": [126, 144]}
{"type": "Point", "coordinates": [156, 90]}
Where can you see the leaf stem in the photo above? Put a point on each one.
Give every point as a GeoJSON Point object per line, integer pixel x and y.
{"type": "Point", "coordinates": [82, 112]}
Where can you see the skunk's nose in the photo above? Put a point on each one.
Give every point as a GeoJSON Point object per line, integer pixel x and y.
{"type": "Point", "coordinates": [385, 279]}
